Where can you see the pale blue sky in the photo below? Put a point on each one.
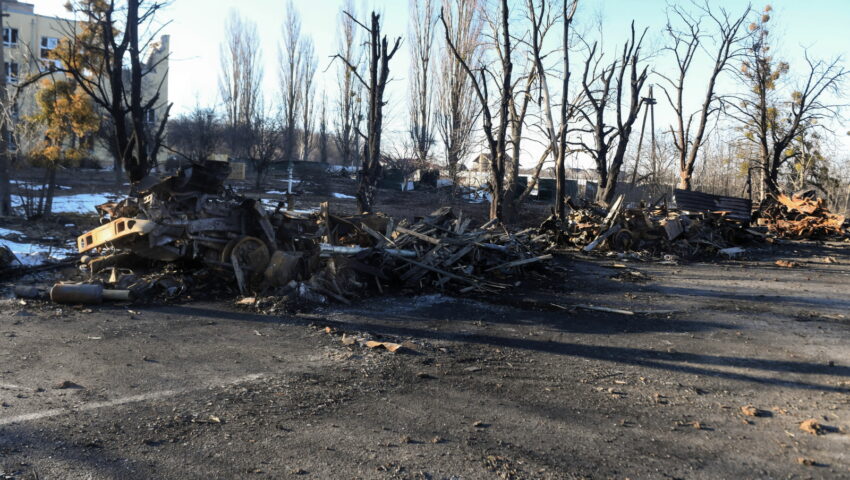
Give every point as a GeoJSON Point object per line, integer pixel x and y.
{"type": "Point", "coordinates": [197, 28]}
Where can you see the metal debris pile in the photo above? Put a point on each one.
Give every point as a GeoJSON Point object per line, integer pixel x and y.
{"type": "Point", "coordinates": [189, 230]}
{"type": "Point", "coordinates": [656, 230]}
{"type": "Point", "coordinates": [801, 216]}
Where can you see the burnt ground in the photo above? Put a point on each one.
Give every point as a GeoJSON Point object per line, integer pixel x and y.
{"type": "Point", "coordinates": [519, 385]}
{"type": "Point", "coordinates": [507, 386]}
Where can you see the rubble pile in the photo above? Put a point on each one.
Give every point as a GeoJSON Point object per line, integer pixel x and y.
{"type": "Point", "coordinates": [801, 216]}
{"type": "Point", "coordinates": [188, 230]}
{"type": "Point", "coordinates": [656, 230]}
{"type": "Point", "coordinates": [440, 251]}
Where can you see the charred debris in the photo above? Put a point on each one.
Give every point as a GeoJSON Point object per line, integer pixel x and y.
{"type": "Point", "coordinates": [189, 235]}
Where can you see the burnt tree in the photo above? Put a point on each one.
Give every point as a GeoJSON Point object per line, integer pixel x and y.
{"type": "Point", "coordinates": [610, 140]}
{"type": "Point", "coordinates": [686, 39]}
{"type": "Point", "coordinates": [496, 135]}
{"type": "Point", "coordinates": [96, 56]}
{"type": "Point", "coordinates": [556, 135]}
{"type": "Point", "coordinates": [379, 56]}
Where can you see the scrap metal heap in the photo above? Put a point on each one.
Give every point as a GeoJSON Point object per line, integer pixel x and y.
{"type": "Point", "coordinates": [801, 216]}
{"type": "Point", "coordinates": [192, 219]}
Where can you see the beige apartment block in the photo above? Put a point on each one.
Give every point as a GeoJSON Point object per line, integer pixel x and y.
{"type": "Point", "coordinates": [27, 40]}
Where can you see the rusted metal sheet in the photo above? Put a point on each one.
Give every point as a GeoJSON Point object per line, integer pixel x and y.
{"type": "Point", "coordinates": [739, 209]}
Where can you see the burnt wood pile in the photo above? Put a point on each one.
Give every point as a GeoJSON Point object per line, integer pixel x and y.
{"type": "Point", "coordinates": [801, 216]}
{"type": "Point", "coordinates": [657, 230]}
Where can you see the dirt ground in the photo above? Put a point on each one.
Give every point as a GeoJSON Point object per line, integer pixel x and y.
{"type": "Point", "coordinates": [529, 384]}
{"type": "Point", "coordinates": [511, 387]}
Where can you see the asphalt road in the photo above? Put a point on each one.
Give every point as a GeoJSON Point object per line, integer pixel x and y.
{"type": "Point", "coordinates": [507, 387]}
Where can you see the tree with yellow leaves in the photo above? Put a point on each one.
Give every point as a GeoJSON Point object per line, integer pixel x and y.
{"type": "Point", "coordinates": [772, 113]}
{"type": "Point", "coordinates": [67, 117]}
{"type": "Point", "coordinates": [103, 53]}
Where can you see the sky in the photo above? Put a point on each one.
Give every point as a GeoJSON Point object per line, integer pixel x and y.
{"type": "Point", "coordinates": [196, 28]}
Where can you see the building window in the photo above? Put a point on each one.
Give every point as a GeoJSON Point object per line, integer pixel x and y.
{"type": "Point", "coordinates": [150, 117]}
{"type": "Point", "coordinates": [11, 72]}
{"type": "Point", "coordinates": [10, 36]}
{"type": "Point", "coordinates": [48, 44]}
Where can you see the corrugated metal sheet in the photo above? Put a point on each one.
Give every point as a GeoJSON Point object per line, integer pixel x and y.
{"type": "Point", "coordinates": [739, 208]}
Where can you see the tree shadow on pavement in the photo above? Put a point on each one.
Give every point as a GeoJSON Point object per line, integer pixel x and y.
{"type": "Point", "coordinates": [683, 362]}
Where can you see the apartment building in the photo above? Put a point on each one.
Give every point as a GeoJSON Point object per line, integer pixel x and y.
{"type": "Point", "coordinates": [28, 39]}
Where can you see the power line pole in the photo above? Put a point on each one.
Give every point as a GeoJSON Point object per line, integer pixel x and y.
{"type": "Point", "coordinates": [650, 107]}
{"type": "Point", "coordinates": [5, 190]}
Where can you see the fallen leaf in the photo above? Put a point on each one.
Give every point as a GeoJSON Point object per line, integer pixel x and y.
{"type": "Point", "coordinates": [752, 411]}
{"type": "Point", "coordinates": [246, 301]}
{"type": "Point", "coordinates": [806, 461]}
{"type": "Point", "coordinates": [812, 426]}
{"type": "Point", "coordinates": [787, 264]}
{"type": "Point", "coordinates": [392, 347]}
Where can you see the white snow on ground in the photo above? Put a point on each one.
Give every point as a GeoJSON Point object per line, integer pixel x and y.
{"type": "Point", "coordinates": [33, 254]}
{"type": "Point", "coordinates": [33, 186]}
{"type": "Point", "coordinates": [79, 203]}
{"type": "Point", "coordinates": [338, 168]}
{"type": "Point", "coordinates": [341, 195]}
{"type": "Point", "coordinates": [480, 196]}
{"type": "Point", "coordinates": [5, 231]}
{"type": "Point", "coordinates": [276, 192]}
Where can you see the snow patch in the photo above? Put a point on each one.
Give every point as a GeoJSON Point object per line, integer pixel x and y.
{"type": "Point", "coordinates": [341, 195]}
{"type": "Point", "coordinates": [31, 254]}
{"type": "Point", "coordinates": [34, 186]}
{"type": "Point", "coordinates": [4, 232]}
{"type": "Point", "coordinates": [80, 203]}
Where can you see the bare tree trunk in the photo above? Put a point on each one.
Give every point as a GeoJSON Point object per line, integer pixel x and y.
{"type": "Point", "coordinates": [517, 121]}
{"type": "Point", "coordinates": [291, 66]}
{"type": "Point", "coordinates": [51, 190]}
{"type": "Point", "coordinates": [379, 57]}
{"type": "Point", "coordinates": [497, 167]}
{"type": "Point", "coordinates": [557, 137]}
{"type": "Point", "coordinates": [5, 187]}
{"type": "Point", "coordinates": [496, 136]}
{"type": "Point", "coordinates": [307, 82]}
{"type": "Point", "coordinates": [323, 130]}
{"type": "Point", "coordinates": [241, 70]}
{"type": "Point", "coordinates": [421, 40]}
{"type": "Point", "coordinates": [349, 105]}
{"type": "Point", "coordinates": [457, 106]}
{"type": "Point", "coordinates": [123, 101]}
{"type": "Point", "coordinates": [567, 14]}
{"type": "Point", "coordinates": [685, 45]}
